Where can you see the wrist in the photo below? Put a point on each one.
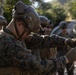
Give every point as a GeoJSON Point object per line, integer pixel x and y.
{"type": "Point", "coordinates": [66, 59]}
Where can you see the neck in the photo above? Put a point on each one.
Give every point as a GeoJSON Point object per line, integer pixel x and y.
{"type": "Point", "coordinates": [12, 28]}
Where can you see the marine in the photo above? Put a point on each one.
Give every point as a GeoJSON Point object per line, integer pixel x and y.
{"type": "Point", "coordinates": [15, 58]}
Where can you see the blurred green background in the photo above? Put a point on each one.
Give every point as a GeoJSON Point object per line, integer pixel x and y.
{"type": "Point", "coordinates": [55, 10]}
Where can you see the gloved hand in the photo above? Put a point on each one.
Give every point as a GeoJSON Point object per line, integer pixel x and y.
{"type": "Point", "coordinates": [71, 55]}
{"type": "Point", "coordinates": [71, 42]}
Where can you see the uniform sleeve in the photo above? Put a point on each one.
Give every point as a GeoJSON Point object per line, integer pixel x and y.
{"type": "Point", "coordinates": [17, 56]}
{"type": "Point", "coordinates": [2, 43]}
{"type": "Point", "coordinates": [37, 42]}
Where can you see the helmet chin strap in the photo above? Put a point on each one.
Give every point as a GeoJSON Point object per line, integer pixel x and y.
{"type": "Point", "coordinates": [19, 36]}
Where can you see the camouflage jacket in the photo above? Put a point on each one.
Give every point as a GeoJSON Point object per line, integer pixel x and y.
{"type": "Point", "coordinates": [13, 53]}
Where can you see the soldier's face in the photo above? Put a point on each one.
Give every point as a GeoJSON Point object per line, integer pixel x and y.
{"type": "Point", "coordinates": [64, 31]}
{"type": "Point", "coordinates": [23, 32]}
{"type": "Point", "coordinates": [27, 32]}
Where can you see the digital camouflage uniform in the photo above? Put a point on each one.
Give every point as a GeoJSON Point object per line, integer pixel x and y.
{"type": "Point", "coordinates": [14, 56]}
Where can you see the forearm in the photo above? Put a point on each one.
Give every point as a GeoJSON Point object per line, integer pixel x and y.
{"type": "Point", "coordinates": [57, 40]}
{"type": "Point", "coordinates": [39, 42]}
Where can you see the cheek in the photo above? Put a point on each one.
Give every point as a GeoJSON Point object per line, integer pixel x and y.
{"type": "Point", "coordinates": [21, 29]}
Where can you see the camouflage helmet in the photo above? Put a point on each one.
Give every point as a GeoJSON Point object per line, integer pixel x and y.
{"type": "Point", "coordinates": [3, 21]}
{"type": "Point", "coordinates": [63, 25]}
{"type": "Point", "coordinates": [45, 21]}
{"type": "Point", "coordinates": [28, 15]}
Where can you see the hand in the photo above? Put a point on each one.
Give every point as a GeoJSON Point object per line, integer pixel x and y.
{"type": "Point", "coordinates": [71, 55]}
{"type": "Point", "coordinates": [71, 42]}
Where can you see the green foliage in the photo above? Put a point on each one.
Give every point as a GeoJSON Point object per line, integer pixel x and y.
{"type": "Point", "coordinates": [60, 13]}
{"type": "Point", "coordinates": [72, 8]}
{"type": "Point", "coordinates": [54, 11]}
